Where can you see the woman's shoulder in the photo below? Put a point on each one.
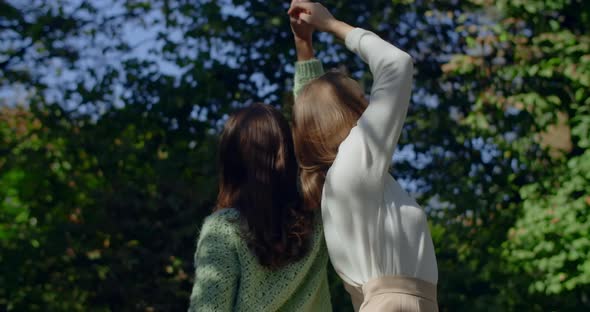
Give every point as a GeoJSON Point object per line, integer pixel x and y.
{"type": "Point", "coordinates": [225, 214]}
{"type": "Point", "coordinates": [223, 221]}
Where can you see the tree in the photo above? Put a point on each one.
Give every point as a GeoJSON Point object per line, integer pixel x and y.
{"type": "Point", "coordinates": [112, 109]}
{"type": "Point", "coordinates": [134, 173]}
{"type": "Point", "coordinates": [529, 76]}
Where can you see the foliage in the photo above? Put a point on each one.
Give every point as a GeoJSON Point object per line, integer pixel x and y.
{"type": "Point", "coordinates": [529, 77]}
{"type": "Point", "coordinates": [111, 109]}
{"type": "Point", "coordinates": [551, 241]}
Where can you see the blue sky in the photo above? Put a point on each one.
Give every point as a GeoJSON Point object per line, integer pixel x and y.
{"type": "Point", "coordinates": [142, 37]}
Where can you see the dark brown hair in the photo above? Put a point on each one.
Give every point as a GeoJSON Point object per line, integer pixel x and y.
{"type": "Point", "coordinates": [323, 114]}
{"type": "Point", "coordinates": [258, 177]}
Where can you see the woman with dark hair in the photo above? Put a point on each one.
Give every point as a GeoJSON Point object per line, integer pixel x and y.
{"type": "Point", "coordinates": [261, 249]}
{"type": "Point", "coordinates": [377, 235]}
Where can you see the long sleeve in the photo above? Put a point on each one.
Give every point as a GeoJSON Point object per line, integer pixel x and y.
{"type": "Point", "coordinates": [381, 123]}
{"type": "Point", "coordinates": [361, 202]}
{"type": "Point", "coordinates": [364, 157]}
{"type": "Point", "coordinates": [306, 71]}
{"type": "Point", "coordinates": [373, 228]}
{"type": "Point", "coordinates": [216, 268]}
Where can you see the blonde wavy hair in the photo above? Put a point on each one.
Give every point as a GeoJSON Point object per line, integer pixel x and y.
{"type": "Point", "coordinates": [324, 112]}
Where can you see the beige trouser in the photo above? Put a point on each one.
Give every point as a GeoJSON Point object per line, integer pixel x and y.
{"type": "Point", "coordinates": [394, 293]}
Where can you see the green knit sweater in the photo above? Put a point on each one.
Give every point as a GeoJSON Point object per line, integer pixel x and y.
{"type": "Point", "coordinates": [306, 71]}
{"type": "Point", "coordinates": [228, 276]}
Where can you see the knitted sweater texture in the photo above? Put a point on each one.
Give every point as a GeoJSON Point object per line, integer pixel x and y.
{"type": "Point", "coordinates": [228, 276]}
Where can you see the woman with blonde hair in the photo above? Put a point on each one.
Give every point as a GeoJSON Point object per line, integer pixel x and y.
{"type": "Point", "coordinates": [377, 235]}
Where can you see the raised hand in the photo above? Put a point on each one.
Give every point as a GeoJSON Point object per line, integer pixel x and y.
{"type": "Point", "coordinates": [312, 13]}
{"type": "Point", "coordinates": [318, 16]}
{"type": "Point", "coordinates": [303, 33]}
{"type": "Point", "coordinates": [301, 30]}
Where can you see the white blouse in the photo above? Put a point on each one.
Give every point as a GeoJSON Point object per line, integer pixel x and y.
{"type": "Point", "coordinates": [373, 228]}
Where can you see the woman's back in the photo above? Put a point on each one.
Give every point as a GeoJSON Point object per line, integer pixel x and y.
{"type": "Point", "coordinates": [377, 236]}
{"type": "Point", "coordinates": [388, 232]}
{"type": "Point", "coordinates": [373, 228]}
{"type": "Point", "coordinates": [267, 253]}
{"type": "Point", "coordinates": [224, 261]}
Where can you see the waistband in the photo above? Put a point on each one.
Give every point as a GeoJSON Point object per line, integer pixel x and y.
{"type": "Point", "coordinates": [399, 284]}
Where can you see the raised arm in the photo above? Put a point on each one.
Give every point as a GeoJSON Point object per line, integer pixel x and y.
{"type": "Point", "coordinates": [216, 269]}
{"type": "Point", "coordinates": [381, 123]}
{"type": "Point", "coordinates": [307, 67]}
{"type": "Point", "coordinates": [392, 69]}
